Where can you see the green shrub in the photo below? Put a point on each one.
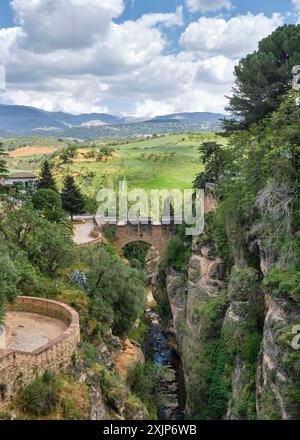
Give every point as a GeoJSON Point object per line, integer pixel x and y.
{"type": "Point", "coordinates": [284, 283]}
{"type": "Point", "coordinates": [136, 252]}
{"type": "Point", "coordinates": [177, 254]}
{"type": "Point", "coordinates": [109, 232]}
{"type": "Point", "coordinates": [89, 354]}
{"type": "Point", "coordinates": [40, 398]}
{"type": "Point", "coordinates": [270, 407]}
{"type": "Point", "coordinates": [143, 380]}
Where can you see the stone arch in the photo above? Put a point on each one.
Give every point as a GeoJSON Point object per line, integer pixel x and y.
{"type": "Point", "coordinates": [155, 235]}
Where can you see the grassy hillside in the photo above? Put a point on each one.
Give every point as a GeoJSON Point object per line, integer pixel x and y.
{"type": "Point", "coordinates": [164, 162]}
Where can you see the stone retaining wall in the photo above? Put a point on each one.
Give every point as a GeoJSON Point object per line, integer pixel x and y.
{"type": "Point", "coordinates": [18, 368]}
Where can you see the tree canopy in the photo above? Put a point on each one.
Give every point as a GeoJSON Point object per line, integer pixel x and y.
{"type": "Point", "coordinates": [117, 291]}
{"type": "Point", "coordinates": [212, 155]}
{"type": "Point", "coordinates": [263, 77]}
{"type": "Point", "coordinates": [46, 180]}
{"type": "Point", "coordinates": [46, 199]}
{"type": "Point", "coordinates": [72, 199]}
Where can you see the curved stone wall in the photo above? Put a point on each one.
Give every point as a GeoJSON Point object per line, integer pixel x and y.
{"type": "Point", "coordinates": [18, 368]}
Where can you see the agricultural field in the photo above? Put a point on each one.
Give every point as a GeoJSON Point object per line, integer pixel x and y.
{"type": "Point", "coordinates": [160, 162]}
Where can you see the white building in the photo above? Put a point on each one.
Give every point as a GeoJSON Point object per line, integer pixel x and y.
{"type": "Point", "coordinates": [26, 179]}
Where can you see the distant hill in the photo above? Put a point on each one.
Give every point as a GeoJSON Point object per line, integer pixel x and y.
{"type": "Point", "coordinates": [21, 120]}
{"type": "Point", "coordinates": [190, 117]}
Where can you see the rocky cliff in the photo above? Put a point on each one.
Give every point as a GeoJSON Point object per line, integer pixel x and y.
{"type": "Point", "coordinates": [235, 340]}
{"type": "Point", "coordinates": [278, 373]}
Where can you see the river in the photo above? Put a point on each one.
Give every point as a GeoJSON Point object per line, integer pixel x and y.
{"type": "Point", "coordinates": [171, 395]}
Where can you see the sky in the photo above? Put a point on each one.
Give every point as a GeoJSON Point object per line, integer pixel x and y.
{"type": "Point", "coordinates": [138, 58]}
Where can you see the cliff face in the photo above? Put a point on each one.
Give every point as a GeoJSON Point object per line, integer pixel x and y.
{"type": "Point", "coordinates": [204, 281]}
{"type": "Point", "coordinates": [235, 341]}
{"type": "Point", "coordinates": [278, 372]}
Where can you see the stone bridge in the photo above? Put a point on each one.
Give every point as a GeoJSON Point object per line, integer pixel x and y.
{"type": "Point", "coordinates": [157, 235]}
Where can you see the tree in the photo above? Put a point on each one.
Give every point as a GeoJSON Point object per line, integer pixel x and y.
{"type": "Point", "coordinates": [49, 246]}
{"type": "Point", "coordinates": [49, 204]}
{"type": "Point", "coordinates": [212, 156]}
{"type": "Point", "coordinates": [68, 153]}
{"type": "Point", "coordinates": [117, 291]}
{"type": "Point", "coordinates": [46, 199]}
{"type": "Point", "coordinates": [263, 77]}
{"type": "Point", "coordinates": [46, 180]}
{"type": "Point", "coordinates": [72, 199]}
{"type": "Point", "coordinates": [3, 163]}
{"type": "Point", "coordinates": [8, 282]}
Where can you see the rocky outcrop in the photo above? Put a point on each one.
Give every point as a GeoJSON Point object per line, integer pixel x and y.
{"type": "Point", "coordinates": [176, 288]}
{"type": "Point", "coordinates": [152, 266]}
{"type": "Point", "coordinates": [278, 377]}
{"type": "Point", "coordinates": [167, 398]}
{"type": "Point", "coordinates": [98, 408]}
{"type": "Point", "coordinates": [127, 358]}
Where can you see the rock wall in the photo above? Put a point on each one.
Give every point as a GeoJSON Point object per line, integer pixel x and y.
{"type": "Point", "coordinates": [18, 369]}
{"type": "Point", "coordinates": [152, 266]}
{"type": "Point", "coordinates": [205, 280]}
{"type": "Point", "coordinates": [273, 393]}
{"type": "Point", "coordinates": [278, 374]}
{"type": "Point", "coordinates": [255, 334]}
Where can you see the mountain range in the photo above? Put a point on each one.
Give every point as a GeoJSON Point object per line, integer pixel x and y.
{"type": "Point", "coordinates": [21, 120]}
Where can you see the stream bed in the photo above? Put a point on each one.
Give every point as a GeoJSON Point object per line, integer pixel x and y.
{"type": "Point", "coordinates": [171, 395]}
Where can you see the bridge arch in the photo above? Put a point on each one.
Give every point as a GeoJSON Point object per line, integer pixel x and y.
{"type": "Point", "coordinates": [156, 235]}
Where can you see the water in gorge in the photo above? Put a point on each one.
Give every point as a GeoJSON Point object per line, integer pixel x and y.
{"type": "Point", "coordinates": [171, 394]}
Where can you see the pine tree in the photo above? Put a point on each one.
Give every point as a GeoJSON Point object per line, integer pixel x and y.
{"type": "Point", "coordinates": [3, 163]}
{"type": "Point", "coordinates": [263, 77]}
{"type": "Point", "coordinates": [46, 180]}
{"type": "Point", "coordinates": [72, 199]}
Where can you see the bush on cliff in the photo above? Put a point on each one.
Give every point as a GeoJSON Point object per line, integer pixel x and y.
{"type": "Point", "coordinates": [40, 398]}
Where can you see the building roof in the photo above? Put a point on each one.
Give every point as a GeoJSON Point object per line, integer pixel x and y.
{"type": "Point", "coordinates": [22, 176]}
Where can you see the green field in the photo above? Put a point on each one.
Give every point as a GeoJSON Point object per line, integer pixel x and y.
{"type": "Point", "coordinates": [163, 162]}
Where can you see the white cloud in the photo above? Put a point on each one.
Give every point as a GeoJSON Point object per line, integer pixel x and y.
{"type": "Point", "coordinates": [62, 24]}
{"type": "Point", "coordinates": [150, 108]}
{"type": "Point", "coordinates": [75, 96]}
{"type": "Point", "coordinates": [208, 5]}
{"type": "Point", "coordinates": [296, 4]}
{"type": "Point", "coordinates": [216, 70]}
{"type": "Point", "coordinates": [79, 59]}
{"type": "Point", "coordinates": [234, 37]}
{"type": "Point", "coordinates": [168, 20]}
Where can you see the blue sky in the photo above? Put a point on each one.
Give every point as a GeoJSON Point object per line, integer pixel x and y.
{"type": "Point", "coordinates": [134, 9]}
{"type": "Point", "coordinates": [133, 57]}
